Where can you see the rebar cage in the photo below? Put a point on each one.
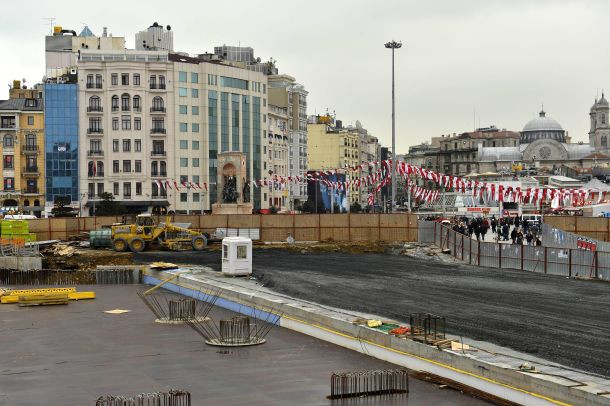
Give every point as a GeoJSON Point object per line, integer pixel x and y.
{"type": "Point", "coordinates": [369, 383]}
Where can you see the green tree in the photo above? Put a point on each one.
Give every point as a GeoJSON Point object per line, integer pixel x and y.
{"type": "Point", "coordinates": [62, 207]}
{"type": "Point", "coordinates": [108, 207]}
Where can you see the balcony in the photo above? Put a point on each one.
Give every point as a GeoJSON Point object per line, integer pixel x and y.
{"type": "Point", "coordinates": [125, 108]}
{"type": "Point", "coordinates": [159, 197]}
{"type": "Point", "coordinates": [158, 153]}
{"type": "Point", "coordinates": [95, 131]}
{"type": "Point", "coordinates": [29, 149]}
{"type": "Point", "coordinates": [127, 197]}
{"type": "Point", "coordinates": [114, 108]}
{"type": "Point", "coordinates": [158, 131]}
{"type": "Point", "coordinates": [7, 126]}
{"type": "Point", "coordinates": [158, 174]}
{"type": "Point", "coordinates": [95, 152]}
{"type": "Point", "coordinates": [30, 191]}
{"type": "Point", "coordinates": [30, 170]}
{"type": "Point", "coordinates": [96, 175]}
{"type": "Point", "coordinates": [156, 109]}
{"type": "Point", "coordinates": [94, 85]}
{"type": "Point", "coordinates": [95, 109]}
{"type": "Point", "coordinates": [159, 86]}
{"type": "Point", "coordinates": [137, 109]}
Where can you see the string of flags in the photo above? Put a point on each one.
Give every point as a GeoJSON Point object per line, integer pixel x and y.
{"type": "Point", "coordinates": [377, 174]}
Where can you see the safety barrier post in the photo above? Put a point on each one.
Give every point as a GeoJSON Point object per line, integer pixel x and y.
{"type": "Point", "coordinates": [479, 252]}
{"type": "Point", "coordinates": [596, 267]}
{"type": "Point", "coordinates": [521, 249]}
{"type": "Point", "coordinates": [462, 247]}
{"type": "Point", "coordinates": [570, 262]}
{"type": "Point", "coordinates": [545, 256]}
{"type": "Point", "coordinates": [499, 255]}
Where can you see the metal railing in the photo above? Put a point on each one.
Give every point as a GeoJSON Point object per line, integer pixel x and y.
{"type": "Point", "coordinates": [29, 148]}
{"type": "Point", "coordinates": [561, 261]}
{"type": "Point", "coordinates": [95, 131]}
{"type": "Point", "coordinates": [157, 109]}
{"type": "Point", "coordinates": [30, 169]}
{"type": "Point", "coordinates": [158, 131]}
{"type": "Point", "coordinates": [30, 191]}
{"type": "Point", "coordinates": [97, 109]}
{"type": "Point", "coordinates": [95, 152]}
{"type": "Point", "coordinates": [158, 153]}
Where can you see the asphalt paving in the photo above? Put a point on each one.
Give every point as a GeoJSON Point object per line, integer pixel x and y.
{"type": "Point", "coordinates": [555, 318]}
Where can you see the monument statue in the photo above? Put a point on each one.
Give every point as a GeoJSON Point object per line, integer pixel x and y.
{"type": "Point", "coordinates": [229, 191]}
{"type": "Point", "coordinates": [246, 192]}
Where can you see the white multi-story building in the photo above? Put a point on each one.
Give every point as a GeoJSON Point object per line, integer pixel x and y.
{"type": "Point", "coordinates": [155, 38]}
{"type": "Point", "coordinates": [285, 92]}
{"type": "Point", "coordinates": [126, 139]}
{"type": "Point", "coordinates": [278, 157]}
{"type": "Point", "coordinates": [218, 108]}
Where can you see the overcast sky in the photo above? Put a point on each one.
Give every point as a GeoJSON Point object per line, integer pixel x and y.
{"type": "Point", "coordinates": [499, 60]}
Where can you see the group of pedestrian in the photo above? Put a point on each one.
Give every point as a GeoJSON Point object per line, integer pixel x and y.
{"type": "Point", "coordinates": [515, 229]}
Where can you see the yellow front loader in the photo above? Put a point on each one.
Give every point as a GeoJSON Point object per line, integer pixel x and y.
{"type": "Point", "coordinates": [146, 233]}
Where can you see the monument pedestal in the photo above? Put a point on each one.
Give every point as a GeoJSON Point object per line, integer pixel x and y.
{"type": "Point", "coordinates": [232, 208]}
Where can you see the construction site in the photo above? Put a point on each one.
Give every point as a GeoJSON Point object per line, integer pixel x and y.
{"type": "Point", "coordinates": [291, 309]}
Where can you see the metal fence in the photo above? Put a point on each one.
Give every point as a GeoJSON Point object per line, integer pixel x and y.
{"type": "Point", "coordinates": [570, 262]}
{"type": "Point", "coordinates": [554, 237]}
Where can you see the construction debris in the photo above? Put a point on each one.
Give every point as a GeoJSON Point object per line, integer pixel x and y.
{"type": "Point", "coordinates": [61, 250]}
{"type": "Point", "coordinates": [14, 296]}
{"type": "Point", "coordinates": [43, 299]}
{"type": "Point", "coordinates": [116, 311]}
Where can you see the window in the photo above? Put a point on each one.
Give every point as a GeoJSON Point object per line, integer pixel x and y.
{"type": "Point", "coordinates": [115, 167]}
{"type": "Point", "coordinates": [115, 145]}
{"type": "Point", "coordinates": [30, 120]}
{"type": "Point", "coordinates": [30, 140]}
{"type": "Point", "coordinates": [194, 93]}
{"type": "Point", "coordinates": [126, 166]}
{"type": "Point", "coordinates": [127, 189]}
{"type": "Point", "coordinates": [182, 92]}
{"type": "Point", "coordinates": [158, 124]}
{"type": "Point", "coordinates": [161, 82]}
{"type": "Point", "coordinates": [137, 123]}
{"type": "Point", "coordinates": [95, 124]}
{"type": "Point", "coordinates": [8, 162]}
{"type": "Point", "coordinates": [153, 82]}
{"type": "Point", "coordinates": [195, 178]}
{"type": "Point", "coordinates": [137, 166]}
{"type": "Point", "coordinates": [95, 145]}
{"type": "Point", "coordinates": [195, 127]}
{"type": "Point", "coordinates": [126, 122]}
{"type": "Point", "coordinates": [194, 77]}
{"type": "Point", "coordinates": [114, 79]}
{"type": "Point", "coordinates": [182, 77]}
{"type": "Point", "coordinates": [603, 119]}
{"type": "Point", "coordinates": [98, 81]}
{"type": "Point", "coordinates": [234, 83]}
{"type": "Point", "coordinates": [183, 109]}
{"type": "Point", "coordinates": [184, 162]}
{"type": "Point", "coordinates": [95, 104]}
{"type": "Point", "coordinates": [136, 103]}
{"type": "Point", "coordinates": [163, 168]}
{"type": "Point", "coordinates": [184, 179]}
{"type": "Point", "coordinates": [212, 80]}
{"type": "Point", "coordinates": [89, 81]}
{"type": "Point", "coordinates": [125, 102]}
{"type": "Point", "coordinates": [184, 197]}
{"type": "Point", "coordinates": [9, 183]}
{"type": "Point", "coordinates": [126, 145]}
{"type": "Point", "coordinates": [184, 144]}
{"type": "Point", "coordinates": [138, 188]}
{"type": "Point", "coordinates": [115, 102]}
{"type": "Point", "coordinates": [242, 251]}
{"type": "Point", "coordinates": [157, 104]}
{"type": "Point", "coordinates": [100, 189]}
{"type": "Point", "coordinates": [125, 79]}
{"type": "Point", "coordinates": [184, 127]}
{"type": "Point", "coordinates": [195, 145]}
{"type": "Point", "coordinates": [137, 145]}
{"type": "Point", "coordinates": [195, 110]}
{"type": "Point", "coordinates": [8, 141]}
{"type": "Point", "coordinates": [195, 197]}
{"type": "Point", "coordinates": [136, 79]}
{"type": "Point", "coordinates": [115, 188]}
{"type": "Point", "coordinates": [195, 162]}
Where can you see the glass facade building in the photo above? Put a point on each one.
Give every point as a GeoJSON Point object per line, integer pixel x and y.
{"type": "Point", "coordinates": [213, 141]}
{"type": "Point", "coordinates": [256, 144]}
{"type": "Point", "coordinates": [61, 141]}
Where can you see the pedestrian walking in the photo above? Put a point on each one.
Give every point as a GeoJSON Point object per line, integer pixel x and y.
{"type": "Point", "coordinates": [513, 235]}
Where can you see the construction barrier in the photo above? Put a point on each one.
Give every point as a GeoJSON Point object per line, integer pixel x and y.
{"type": "Point", "coordinates": [568, 262]}
{"type": "Point", "coordinates": [273, 228]}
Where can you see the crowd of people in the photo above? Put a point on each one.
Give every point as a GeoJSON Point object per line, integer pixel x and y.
{"type": "Point", "coordinates": [515, 229]}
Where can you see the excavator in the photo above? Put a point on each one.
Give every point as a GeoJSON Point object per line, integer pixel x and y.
{"type": "Point", "coordinates": [145, 232]}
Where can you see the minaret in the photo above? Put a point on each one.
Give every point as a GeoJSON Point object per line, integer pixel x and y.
{"type": "Point", "coordinates": [602, 125]}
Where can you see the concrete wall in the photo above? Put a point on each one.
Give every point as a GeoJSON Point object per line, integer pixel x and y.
{"type": "Point", "coordinates": [302, 227]}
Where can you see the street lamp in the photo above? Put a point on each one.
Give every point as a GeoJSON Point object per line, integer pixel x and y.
{"type": "Point", "coordinates": [393, 45]}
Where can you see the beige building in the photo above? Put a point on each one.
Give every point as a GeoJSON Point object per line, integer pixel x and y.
{"type": "Point", "coordinates": [285, 92]}
{"type": "Point", "coordinates": [332, 147]}
{"type": "Point", "coordinates": [278, 162]}
{"type": "Point", "coordinates": [126, 140]}
{"type": "Point", "coordinates": [22, 149]}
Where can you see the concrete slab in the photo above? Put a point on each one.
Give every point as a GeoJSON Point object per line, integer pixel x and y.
{"type": "Point", "coordinates": [70, 355]}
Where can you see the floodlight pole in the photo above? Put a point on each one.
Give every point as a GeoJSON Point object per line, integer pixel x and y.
{"type": "Point", "coordinates": [393, 45]}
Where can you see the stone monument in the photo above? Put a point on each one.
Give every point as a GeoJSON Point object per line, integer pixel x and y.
{"type": "Point", "coordinates": [232, 187]}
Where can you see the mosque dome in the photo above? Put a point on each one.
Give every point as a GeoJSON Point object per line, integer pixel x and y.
{"type": "Point", "coordinates": [542, 127]}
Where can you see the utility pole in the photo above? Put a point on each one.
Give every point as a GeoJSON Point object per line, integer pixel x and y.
{"type": "Point", "coordinates": [393, 45]}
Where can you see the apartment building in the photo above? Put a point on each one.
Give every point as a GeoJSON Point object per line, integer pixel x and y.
{"type": "Point", "coordinates": [278, 159]}
{"type": "Point", "coordinates": [285, 92]}
{"type": "Point", "coordinates": [218, 108]}
{"type": "Point", "coordinates": [330, 146]}
{"type": "Point", "coordinates": [22, 149]}
{"type": "Point", "coordinates": [126, 136]}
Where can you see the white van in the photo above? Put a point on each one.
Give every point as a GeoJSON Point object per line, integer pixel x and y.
{"type": "Point", "coordinates": [532, 218]}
